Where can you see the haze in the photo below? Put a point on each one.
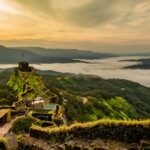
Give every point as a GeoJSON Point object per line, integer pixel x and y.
{"type": "Point", "coordinates": [101, 25]}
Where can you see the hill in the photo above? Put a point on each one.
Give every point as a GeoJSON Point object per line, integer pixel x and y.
{"type": "Point", "coordinates": [41, 55]}
{"type": "Point", "coordinates": [9, 55]}
{"type": "Point", "coordinates": [142, 64]}
{"type": "Point", "coordinates": [68, 53]}
{"type": "Point", "coordinates": [89, 98]}
{"type": "Point", "coordinates": [28, 84]}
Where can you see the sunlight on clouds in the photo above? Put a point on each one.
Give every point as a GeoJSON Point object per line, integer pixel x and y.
{"type": "Point", "coordinates": [7, 8]}
{"type": "Point", "coordinates": [142, 7]}
{"type": "Point", "coordinates": [94, 24]}
{"type": "Point", "coordinates": [69, 3]}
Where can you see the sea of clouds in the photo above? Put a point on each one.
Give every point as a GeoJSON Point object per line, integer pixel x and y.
{"type": "Point", "coordinates": [105, 68]}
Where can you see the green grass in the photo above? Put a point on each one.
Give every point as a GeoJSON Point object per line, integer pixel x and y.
{"type": "Point", "coordinates": [21, 82]}
{"type": "Point", "coordinates": [114, 99]}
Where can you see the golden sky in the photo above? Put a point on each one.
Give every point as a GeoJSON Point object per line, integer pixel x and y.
{"type": "Point", "coordinates": [104, 25]}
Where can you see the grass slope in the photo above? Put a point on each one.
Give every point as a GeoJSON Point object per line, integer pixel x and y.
{"type": "Point", "coordinates": [92, 98]}
{"type": "Point", "coordinates": [88, 98]}
{"type": "Point", "coordinates": [27, 85]}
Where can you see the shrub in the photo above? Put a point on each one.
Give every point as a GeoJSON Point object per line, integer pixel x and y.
{"type": "Point", "coordinates": [22, 124]}
{"type": "Point", "coordinates": [23, 145]}
{"type": "Point", "coordinates": [3, 144]}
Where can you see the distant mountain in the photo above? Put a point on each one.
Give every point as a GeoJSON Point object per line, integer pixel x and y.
{"type": "Point", "coordinates": [9, 55]}
{"type": "Point", "coordinates": [41, 55]}
{"type": "Point", "coordinates": [13, 55]}
{"type": "Point", "coordinates": [1, 46]}
{"type": "Point", "coordinates": [142, 64]}
{"type": "Point", "coordinates": [67, 53]}
{"type": "Point", "coordinates": [137, 54]}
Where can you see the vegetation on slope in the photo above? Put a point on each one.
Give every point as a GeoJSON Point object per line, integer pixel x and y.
{"type": "Point", "coordinates": [7, 95]}
{"type": "Point", "coordinates": [89, 98]}
{"type": "Point", "coordinates": [22, 124]}
{"type": "Point", "coordinates": [92, 98]}
{"type": "Point", "coordinates": [27, 85]}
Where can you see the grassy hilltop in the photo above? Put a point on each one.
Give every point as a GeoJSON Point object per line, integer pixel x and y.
{"type": "Point", "coordinates": [27, 85]}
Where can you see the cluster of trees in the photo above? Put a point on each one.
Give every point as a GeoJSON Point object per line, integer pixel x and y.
{"type": "Point", "coordinates": [23, 124]}
{"type": "Point", "coordinates": [7, 95]}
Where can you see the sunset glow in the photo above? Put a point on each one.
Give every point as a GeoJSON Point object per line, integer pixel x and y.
{"type": "Point", "coordinates": [89, 24]}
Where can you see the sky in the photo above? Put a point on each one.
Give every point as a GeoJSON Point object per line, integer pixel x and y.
{"type": "Point", "coordinates": [98, 25]}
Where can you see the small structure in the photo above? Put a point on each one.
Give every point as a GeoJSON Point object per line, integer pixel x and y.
{"type": "Point", "coordinates": [5, 116]}
{"type": "Point", "coordinates": [44, 110]}
{"type": "Point", "coordinates": [24, 66]}
{"type": "Point", "coordinates": [39, 103]}
{"type": "Point", "coordinates": [50, 107]}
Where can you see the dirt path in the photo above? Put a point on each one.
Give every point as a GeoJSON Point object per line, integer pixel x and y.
{"type": "Point", "coordinates": [11, 138]}
{"type": "Point", "coordinates": [5, 128]}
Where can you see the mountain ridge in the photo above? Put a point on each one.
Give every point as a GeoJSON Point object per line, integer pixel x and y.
{"type": "Point", "coordinates": [41, 55]}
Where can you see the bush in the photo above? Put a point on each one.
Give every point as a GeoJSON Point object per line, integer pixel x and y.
{"type": "Point", "coordinates": [125, 131]}
{"type": "Point", "coordinates": [3, 144]}
{"type": "Point", "coordinates": [7, 95]}
{"type": "Point", "coordinates": [22, 125]}
{"type": "Point", "coordinates": [23, 145]}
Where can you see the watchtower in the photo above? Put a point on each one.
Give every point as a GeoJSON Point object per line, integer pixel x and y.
{"type": "Point", "coordinates": [24, 66]}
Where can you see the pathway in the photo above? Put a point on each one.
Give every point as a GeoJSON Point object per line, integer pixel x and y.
{"type": "Point", "coordinates": [6, 127]}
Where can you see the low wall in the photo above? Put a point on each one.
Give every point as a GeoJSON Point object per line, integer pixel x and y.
{"type": "Point", "coordinates": [124, 131]}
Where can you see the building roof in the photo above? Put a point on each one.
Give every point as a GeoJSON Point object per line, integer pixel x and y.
{"type": "Point", "coordinates": [3, 112]}
{"type": "Point", "coordinates": [50, 107]}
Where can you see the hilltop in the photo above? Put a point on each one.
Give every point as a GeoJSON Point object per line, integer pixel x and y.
{"type": "Point", "coordinates": [27, 84]}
